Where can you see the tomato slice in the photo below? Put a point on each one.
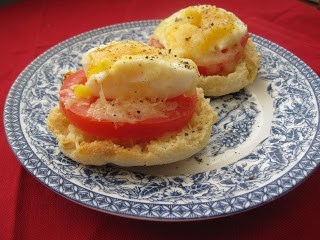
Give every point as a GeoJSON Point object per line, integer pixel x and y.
{"type": "Point", "coordinates": [227, 59]}
{"type": "Point", "coordinates": [148, 129]}
{"type": "Point", "coordinates": [155, 42]}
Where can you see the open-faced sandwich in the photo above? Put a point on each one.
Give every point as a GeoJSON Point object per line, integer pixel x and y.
{"type": "Point", "coordinates": [217, 41]}
{"type": "Point", "coordinates": [131, 105]}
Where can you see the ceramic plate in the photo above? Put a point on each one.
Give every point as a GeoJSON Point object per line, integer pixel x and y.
{"type": "Point", "coordinates": [266, 140]}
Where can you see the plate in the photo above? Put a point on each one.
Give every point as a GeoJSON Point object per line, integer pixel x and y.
{"type": "Point", "coordinates": [266, 140]}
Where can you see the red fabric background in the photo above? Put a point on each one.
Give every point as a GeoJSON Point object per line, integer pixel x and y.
{"type": "Point", "coordinates": [29, 210]}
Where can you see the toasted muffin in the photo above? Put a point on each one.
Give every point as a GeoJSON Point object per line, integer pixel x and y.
{"type": "Point", "coordinates": [131, 105]}
{"type": "Point", "coordinates": [244, 74]}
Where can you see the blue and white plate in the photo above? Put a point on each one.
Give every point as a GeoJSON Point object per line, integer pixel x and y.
{"type": "Point", "coordinates": [266, 140]}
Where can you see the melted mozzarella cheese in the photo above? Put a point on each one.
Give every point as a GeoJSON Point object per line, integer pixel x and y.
{"type": "Point", "coordinates": [133, 70]}
{"type": "Point", "coordinates": [119, 110]}
{"type": "Point", "coordinates": [197, 32]}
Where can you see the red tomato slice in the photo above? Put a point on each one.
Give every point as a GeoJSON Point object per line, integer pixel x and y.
{"type": "Point", "coordinates": [156, 43]}
{"type": "Point", "coordinates": [226, 60]}
{"type": "Point", "coordinates": [152, 128]}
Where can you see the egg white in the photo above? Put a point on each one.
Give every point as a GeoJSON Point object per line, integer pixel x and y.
{"type": "Point", "coordinates": [140, 72]}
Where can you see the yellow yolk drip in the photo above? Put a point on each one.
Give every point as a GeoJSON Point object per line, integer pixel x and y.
{"type": "Point", "coordinates": [98, 66]}
{"type": "Point", "coordinates": [193, 16]}
{"type": "Point", "coordinates": [214, 36]}
{"type": "Point", "coordinates": [82, 91]}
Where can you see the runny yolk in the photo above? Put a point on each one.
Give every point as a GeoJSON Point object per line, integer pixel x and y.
{"type": "Point", "coordinates": [82, 91]}
{"type": "Point", "coordinates": [99, 66]}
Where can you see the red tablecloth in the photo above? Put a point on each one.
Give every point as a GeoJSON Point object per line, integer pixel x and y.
{"type": "Point", "coordinates": [29, 210]}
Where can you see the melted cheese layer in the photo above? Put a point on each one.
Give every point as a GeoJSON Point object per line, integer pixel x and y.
{"type": "Point", "coordinates": [119, 110]}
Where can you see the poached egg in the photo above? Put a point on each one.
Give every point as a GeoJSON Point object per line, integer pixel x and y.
{"type": "Point", "coordinates": [199, 32]}
{"type": "Point", "coordinates": [134, 70]}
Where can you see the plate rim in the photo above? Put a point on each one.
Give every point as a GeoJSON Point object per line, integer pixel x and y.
{"type": "Point", "coordinates": [33, 66]}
